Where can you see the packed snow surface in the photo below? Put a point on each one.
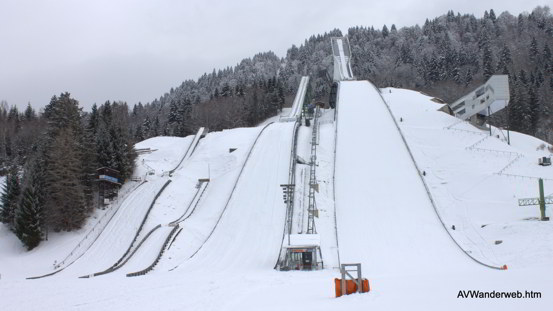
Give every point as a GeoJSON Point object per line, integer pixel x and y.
{"type": "Point", "coordinates": [224, 256]}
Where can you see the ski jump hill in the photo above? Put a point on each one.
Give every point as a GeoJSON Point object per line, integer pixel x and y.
{"type": "Point", "coordinates": [384, 214]}
{"type": "Point", "coordinates": [424, 201]}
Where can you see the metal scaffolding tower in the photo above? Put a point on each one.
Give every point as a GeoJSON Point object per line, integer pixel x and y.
{"type": "Point", "coordinates": [312, 211]}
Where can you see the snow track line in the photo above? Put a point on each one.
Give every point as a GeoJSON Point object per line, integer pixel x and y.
{"type": "Point", "coordinates": [334, 172]}
{"type": "Point", "coordinates": [291, 181]}
{"type": "Point", "coordinates": [199, 193]}
{"type": "Point", "coordinates": [161, 251]}
{"type": "Point", "coordinates": [231, 193]}
{"type": "Point", "coordinates": [189, 152]}
{"type": "Point", "coordinates": [174, 238]}
{"type": "Point", "coordinates": [136, 248]}
{"type": "Point", "coordinates": [176, 223]}
{"type": "Point", "coordinates": [298, 102]}
{"type": "Point", "coordinates": [425, 185]}
{"type": "Point", "coordinates": [96, 238]}
{"type": "Point", "coordinates": [115, 266]}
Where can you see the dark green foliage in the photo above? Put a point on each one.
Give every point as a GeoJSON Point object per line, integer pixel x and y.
{"type": "Point", "coordinates": [113, 142]}
{"type": "Point", "coordinates": [10, 197]}
{"type": "Point", "coordinates": [67, 173]}
{"type": "Point", "coordinates": [65, 204]}
{"type": "Point", "coordinates": [28, 220]}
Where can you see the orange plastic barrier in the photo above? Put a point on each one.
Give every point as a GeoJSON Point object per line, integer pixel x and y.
{"type": "Point", "coordinates": [351, 287]}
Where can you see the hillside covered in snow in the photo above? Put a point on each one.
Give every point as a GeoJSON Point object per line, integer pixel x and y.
{"type": "Point", "coordinates": [427, 204]}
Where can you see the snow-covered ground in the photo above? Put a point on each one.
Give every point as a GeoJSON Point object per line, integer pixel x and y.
{"type": "Point", "coordinates": [475, 185]}
{"type": "Point", "coordinates": [223, 258]}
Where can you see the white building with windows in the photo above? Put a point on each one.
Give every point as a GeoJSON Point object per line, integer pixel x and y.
{"type": "Point", "coordinates": [486, 100]}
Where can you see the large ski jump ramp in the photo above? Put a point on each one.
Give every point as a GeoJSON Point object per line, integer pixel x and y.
{"type": "Point", "coordinates": [384, 216]}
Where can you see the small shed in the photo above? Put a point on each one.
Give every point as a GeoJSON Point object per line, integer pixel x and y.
{"type": "Point", "coordinates": [109, 182]}
{"type": "Point", "coordinates": [302, 253]}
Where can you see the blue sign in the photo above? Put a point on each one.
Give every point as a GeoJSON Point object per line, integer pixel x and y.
{"type": "Point", "coordinates": [108, 178]}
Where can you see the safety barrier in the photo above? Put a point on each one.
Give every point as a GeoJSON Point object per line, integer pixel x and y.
{"type": "Point", "coordinates": [161, 251]}
{"type": "Point", "coordinates": [523, 177]}
{"type": "Point", "coordinates": [478, 142]}
{"type": "Point", "coordinates": [517, 157]}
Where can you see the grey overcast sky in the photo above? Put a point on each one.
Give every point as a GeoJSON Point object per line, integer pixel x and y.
{"type": "Point", "coordinates": [136, 50]}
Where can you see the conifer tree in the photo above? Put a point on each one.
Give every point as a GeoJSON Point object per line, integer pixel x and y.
{"type": "Point", "coordinates": [487, 62]}
{"type": "Point", "coordinates": [385, 31]}
{"type": "Point", "coordinates": [534, 51]}
{"type": "Point", "coordinates": [28, 220]}
{"type": "Point", "coordinates": [9, 199]}
{"type": "Point", "coordinates": [30, 113]}
{"type": "Point", "coordinates": [65, 197]}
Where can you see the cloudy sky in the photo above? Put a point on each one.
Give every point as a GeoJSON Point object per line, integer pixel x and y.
{"type": "Point", "coordinates": [135, 50]}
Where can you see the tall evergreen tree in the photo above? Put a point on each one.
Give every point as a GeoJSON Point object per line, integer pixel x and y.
{"type": "Point", "coordinates": [534, 51]}
{"type": "Point", "coordinates": [28, 220]}
{"type": "Point", "coordinates": [487, 62]}
{"type": "Point", "coordinates": [30, 113]}
{"type": "Point", "coordinates": [65, 205]}
{"type": "Point", "coordinates": [65, 196]}
{"type": "Point", "coordinates": [9, 199]}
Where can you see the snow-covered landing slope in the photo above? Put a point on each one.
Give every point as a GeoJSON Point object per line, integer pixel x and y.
{"type": "Point", "coordinates": [249, 233]}
{"type": "Point", "coordinates": [119, 233]}
{"type": "Point", "coordinates": [476, 180]}
{"type": "Point", "coordinates": [385, 218]}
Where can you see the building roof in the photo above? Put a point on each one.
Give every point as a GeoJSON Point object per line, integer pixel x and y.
{"type": "Point", "coordinates": [304, 240]}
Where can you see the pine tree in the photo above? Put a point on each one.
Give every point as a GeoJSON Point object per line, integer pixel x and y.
{"type": "Point", "coordinates": [492, 16]}
{"type": "Point", "coordinates": [139, 135]}
{"type": "Point", "coordinates": [65, 203]}
{"type": "Point", "coordinates": [456, 73]}
{"type": "Point", "coordinates": [93, 120]}
{"type": "Point", "coordinates": [147, 127]}
{"type": "Point", "coordinates": [155, 129]}
{"type": "Point", "coordinates": [505, 60]}
{"type": "Point", "coordinates": [9, 199]}
{"type": "Point", "coordinates": [226, 90]}
{"type": "Point", "coordinates": [468, 77]}
{"type": "Point", "coordinates": [547, 58]}
{"type": "Point", "coordinates": [30, 114]}
{"type": "Point", "coordinates": [28, 220]}
{"type": "Point", "coordinates": [487, 62]}
{"type": "Point", "coordinates": [173, 112]}
{"type": "Point", "coordinates": [65, 169]}
{"type": "Point", "coordinates": [534, 51]}
{"type": "Point", "coordinates": [533, 111]}
{"type": "Point", "coordinates": [385, 31]}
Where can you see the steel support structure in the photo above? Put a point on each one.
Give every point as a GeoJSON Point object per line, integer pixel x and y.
{"type": "Point", "coordinates": [346, 273]}
{"type": "Point", "coordinates": [313, 186]}
{"type": "Point", "coordinates": [541, 201]}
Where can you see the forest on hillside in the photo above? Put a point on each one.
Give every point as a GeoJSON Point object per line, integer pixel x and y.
{"type": "Point", "coordinates": [447, 57]}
